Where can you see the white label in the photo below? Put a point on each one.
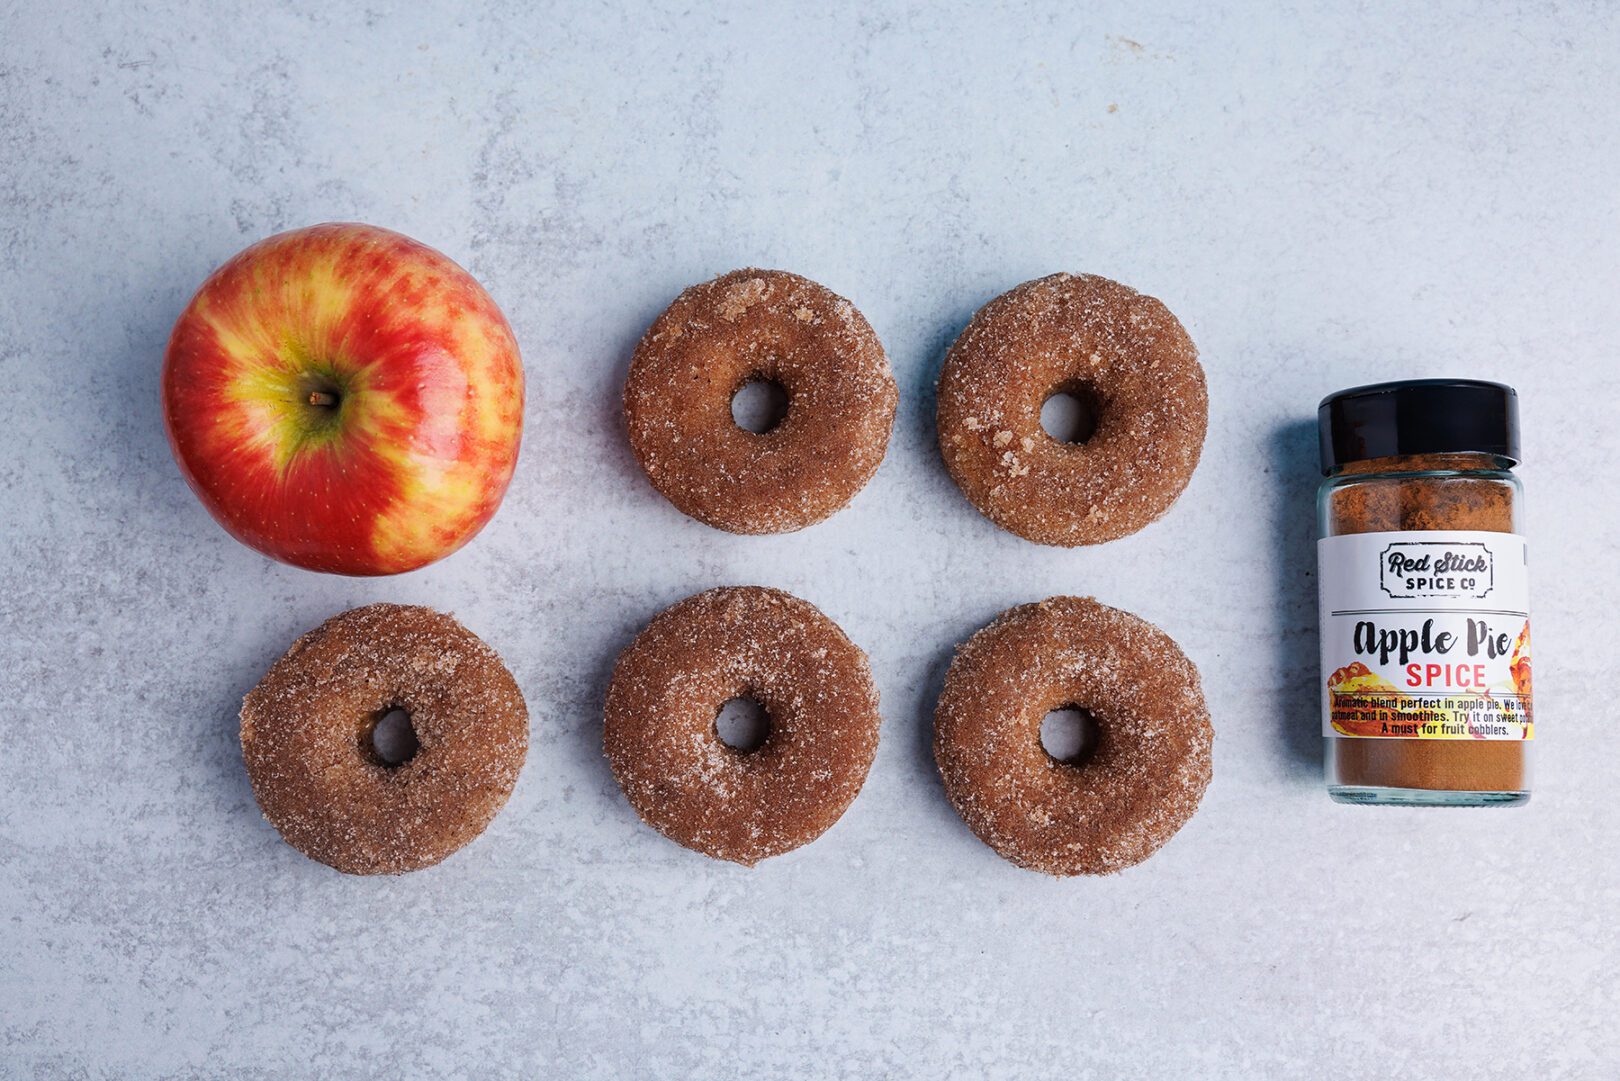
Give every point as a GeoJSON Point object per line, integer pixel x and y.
{"type": "Point", "coordinates": [1425, 636]}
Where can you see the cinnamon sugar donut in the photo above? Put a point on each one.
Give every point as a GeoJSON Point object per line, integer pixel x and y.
{"type": "Point", "coordinates": [667, 692]}
{"type": "Point", "coordinates": [307, 739]}
{"type": "Point", "coordinates": [743, 327]}
{"type": "Point", "coordinates": [1138, 787]}
{"type": "Point", "coordinates": [1118, 351]}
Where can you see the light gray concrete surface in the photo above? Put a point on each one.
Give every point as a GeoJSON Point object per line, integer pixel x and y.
{"type": "Point", "coordinates": [1326, 195]}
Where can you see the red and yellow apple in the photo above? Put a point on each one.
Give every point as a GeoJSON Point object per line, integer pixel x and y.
{"type": "Point", "coordinates": [345, 399]}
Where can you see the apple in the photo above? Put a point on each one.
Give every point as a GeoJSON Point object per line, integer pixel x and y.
{"type": "Point", "coordinates": [345, 399]}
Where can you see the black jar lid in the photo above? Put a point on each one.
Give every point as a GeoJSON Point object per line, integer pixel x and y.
{"type": "Point", "coordinates": [1418, 416]}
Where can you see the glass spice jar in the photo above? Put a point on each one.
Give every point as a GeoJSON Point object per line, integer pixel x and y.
{"type": "Point", "coordinates": [1424, 608]}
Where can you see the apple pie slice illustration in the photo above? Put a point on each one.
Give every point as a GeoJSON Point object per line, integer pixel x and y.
{"type": "Point", "coordinates": [1519, 670]}
{"type": "Point", "coordinates": [1519, 666]}
{"type": "Point", "coordinates": [1377, 706]}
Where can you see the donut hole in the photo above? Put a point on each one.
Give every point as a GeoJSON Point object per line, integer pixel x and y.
{"type": "Point", "coordinates": [1071, 735]}
{"type": "Point", "coordinates": [743, 724]}
{"type": "Point", "coordinates": [392, 740]}
{"type": "Point", "coordinates": [1070, 413]}
{"type": "Point", "coordinates": [759, 405]}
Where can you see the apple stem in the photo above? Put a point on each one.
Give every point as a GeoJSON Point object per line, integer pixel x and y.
{"type": "Point", "coordinates": [320, 397]}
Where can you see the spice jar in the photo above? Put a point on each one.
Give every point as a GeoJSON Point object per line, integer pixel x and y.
{"type": "Point", "coordinates": [1424, 609]}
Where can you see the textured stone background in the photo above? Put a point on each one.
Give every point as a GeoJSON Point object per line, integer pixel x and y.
{"type": "Point", "coordinates": [1325, 199]}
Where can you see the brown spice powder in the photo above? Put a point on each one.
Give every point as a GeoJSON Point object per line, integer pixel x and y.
{"type": "Point", "coordinates": [1389, 504]}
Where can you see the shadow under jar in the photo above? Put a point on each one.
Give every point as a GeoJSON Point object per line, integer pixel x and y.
{"type": "Point", "coordinates": [1424, 606]}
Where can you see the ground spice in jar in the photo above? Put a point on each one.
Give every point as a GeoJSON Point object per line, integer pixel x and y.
{"type": "Point", "coordinates": [1425, 625]}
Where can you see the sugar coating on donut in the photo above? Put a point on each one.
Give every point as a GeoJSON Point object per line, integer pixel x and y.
{"type": "Point", "coordinates": [1121, 349]}
{"type": "Point", "coordinates": [306, 739]}
{"type": "Point", "coordinates": [1142, 783]}
{"type": "Point", "coordinates": [667, 691]}
{"type": "Point", "coordinates": [759, 324]}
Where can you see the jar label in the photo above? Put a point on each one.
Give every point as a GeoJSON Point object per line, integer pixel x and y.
{"type": "Point", "coordinates": [1425, 635]}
